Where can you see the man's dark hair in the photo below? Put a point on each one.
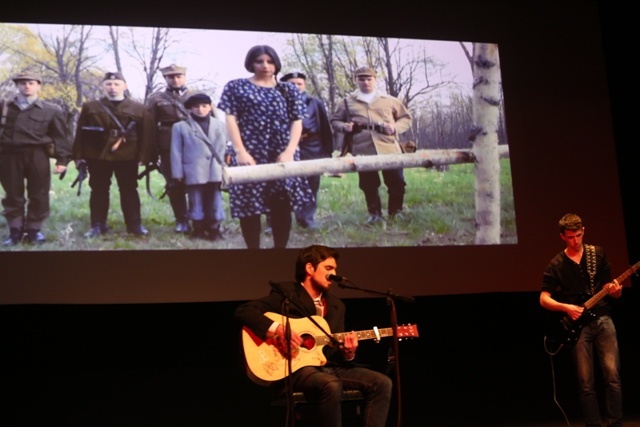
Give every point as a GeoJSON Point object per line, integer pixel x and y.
{"type": "Point", "coordinates": [314, 254]}
{"type": "Point", "coordinates": [571, 222]}
{"type": "Point", "coordinates": [256, 51]}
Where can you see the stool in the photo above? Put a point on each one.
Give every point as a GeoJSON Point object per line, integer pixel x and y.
{"type": "Point", "coordinates": [352, 402]}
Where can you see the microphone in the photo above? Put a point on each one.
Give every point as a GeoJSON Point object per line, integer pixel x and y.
{"type": "Point", "coordinates": [335, 278]}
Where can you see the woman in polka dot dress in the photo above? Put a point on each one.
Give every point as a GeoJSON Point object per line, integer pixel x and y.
{"type": "Point", "coordinates": [264, 122]}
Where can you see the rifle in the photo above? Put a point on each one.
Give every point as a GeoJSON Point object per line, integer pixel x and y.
{"type": "Point", "coordinates": [81, 165]}
{"type": "Point", "coordinates": [347, 143]}
{"type": "Point", "coordinates": [147, 175]}
{"type": "Point", "coordinates": [121, 132]}
{"type": "Point", "coordinates": [4, 110]}
{"type": "Point", "coordinates": [124, 133]}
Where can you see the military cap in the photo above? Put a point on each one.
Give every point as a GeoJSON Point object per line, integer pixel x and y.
{"type": "Point", "coordinates": [365, 71]}
{"type": "Point", "coordinates": [293, 75]}
{"type": "Point", "coordinates": [197, 98]}
{"type": "Point", "coordinates": [27, 75]}
{"type": "Point", "coordinates": [173, 69]}
{"type": "Point", "coordinates": [113, 75]}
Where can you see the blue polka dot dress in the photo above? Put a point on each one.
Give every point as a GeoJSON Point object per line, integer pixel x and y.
{"type": "Point", "coordinates": [264, 116]}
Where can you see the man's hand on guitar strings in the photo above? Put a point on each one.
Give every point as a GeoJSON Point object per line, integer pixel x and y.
{"type": "Point", "coordinates": [296, 340]}
{"type": "Point", "coordinates": [350, 345]}
{"type": "Point", "coordinates": [614, 288]}
{"type": "Point", "coordinates": [574, 311]}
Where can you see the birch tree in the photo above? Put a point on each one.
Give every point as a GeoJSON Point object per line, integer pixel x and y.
{"type": "Point", "coordinates": [148, 50]}
{"type": "Point", "coordinates": [486, 116]}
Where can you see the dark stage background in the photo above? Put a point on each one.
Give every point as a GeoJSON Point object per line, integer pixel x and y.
{"type": "Point", "coordinates": [479, 360]}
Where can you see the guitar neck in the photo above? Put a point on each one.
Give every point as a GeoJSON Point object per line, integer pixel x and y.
{"type": "Point", "coordinates": [362, 335]}
{"type": "Point", "coordinates": [596, 298]}
{"type": "Point", "coordinates": [604, 291]}
{"type": "Point", "coordinates": [628, 273]}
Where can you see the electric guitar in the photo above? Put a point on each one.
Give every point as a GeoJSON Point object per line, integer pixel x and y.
{"type": "Point", "coordinates": [267, 361]}
{"type": "Point", "coordinates": [568, 330]}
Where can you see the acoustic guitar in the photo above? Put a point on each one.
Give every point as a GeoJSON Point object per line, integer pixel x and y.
{"type": "Point", "coordinates": [267, 361]}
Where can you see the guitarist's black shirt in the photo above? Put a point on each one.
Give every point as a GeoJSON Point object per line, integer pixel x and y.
{"type": "Point", "coordinates": [568, 282]}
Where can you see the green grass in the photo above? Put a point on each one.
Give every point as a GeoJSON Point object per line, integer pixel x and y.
{"type": "Point", "coordinates": [439, 209]}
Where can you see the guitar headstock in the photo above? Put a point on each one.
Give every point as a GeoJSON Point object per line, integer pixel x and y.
{"type": "Point", "coordinates": [407, 331]}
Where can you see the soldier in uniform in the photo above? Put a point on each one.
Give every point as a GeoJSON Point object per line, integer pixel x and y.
{"type": "Point", "coordinates": [112, 140]}
{"type": "Point", "coordinates": [316, 142]}
{"type": "Point", "coordinates": [31, 131]}
{"type": "Point", "coordinates": [375, 120]}
{"type": "Point", "coordinates": [166, 108]}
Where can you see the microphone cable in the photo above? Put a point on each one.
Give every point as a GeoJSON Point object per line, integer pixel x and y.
{"type": "Point", "coordinates": [553, 377]}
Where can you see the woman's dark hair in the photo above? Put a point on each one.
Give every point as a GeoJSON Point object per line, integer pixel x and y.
{"type": "Point", "coordinates": [315, 255]}
{"type": "Point", "coordinates": [256, 51]}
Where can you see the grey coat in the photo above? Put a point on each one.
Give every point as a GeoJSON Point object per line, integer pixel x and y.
{"type": "Point", "coordinates": [192, 152]}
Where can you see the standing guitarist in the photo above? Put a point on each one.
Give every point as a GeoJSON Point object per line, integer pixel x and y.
{"type": "Point", "coordinates": [577, 271]}
{"type": "Point", "coordinates": [322, 384]}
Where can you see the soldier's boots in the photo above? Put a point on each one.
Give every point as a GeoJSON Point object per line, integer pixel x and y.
{"type": "Point", "coordinates": [374, 218]}
{"type": "Point", "coordinates": [96, 230]}
{"type": "Point", "coordinates": [205, 230]}
{"type": "Point", "coordinates": [14, 237]}
{"type": "Point", "coordinates": [214, 232]}
{"type": "Point", "coordinates": [137, 230]}
{"type": "Point", "coordinates": [18, 235]}
{"type": "Point", "coordinates": [182, 227]}
{"type": "Point", "coordinates": [35, 237]}
{"type": "Point", "coordinates": [198, 230]}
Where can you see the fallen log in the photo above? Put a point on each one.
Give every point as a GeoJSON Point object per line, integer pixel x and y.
{"type": "Point", "coordinates": [348, 164]}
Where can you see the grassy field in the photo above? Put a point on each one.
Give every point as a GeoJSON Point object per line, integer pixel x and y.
{"type": "Point", "coordinates": [438, 210]}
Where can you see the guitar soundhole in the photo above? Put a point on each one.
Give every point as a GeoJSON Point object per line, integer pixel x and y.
{"type": "Point", "coordinates": [308, 341]}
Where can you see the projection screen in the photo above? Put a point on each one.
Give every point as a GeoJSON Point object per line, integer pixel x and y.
{"type": "Point", "coordinates": [552, 149]}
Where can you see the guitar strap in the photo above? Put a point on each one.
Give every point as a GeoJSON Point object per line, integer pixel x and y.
{"type": "Point", "coordinates": [112, 116]}
{"type": "Point", "coordinates": [590, 252]}
{"type": "Point", "coordinates": [179, 105]}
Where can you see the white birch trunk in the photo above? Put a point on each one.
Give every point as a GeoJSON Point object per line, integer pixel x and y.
{"type": "Point", "coordinates": [274, 171]}
{"type": "Point", "coordinates": [486, 114]}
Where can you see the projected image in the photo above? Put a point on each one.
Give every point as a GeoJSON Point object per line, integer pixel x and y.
{"type": "Point", "coordinates": [136, 138]}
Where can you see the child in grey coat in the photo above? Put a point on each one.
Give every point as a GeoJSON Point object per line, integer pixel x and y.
{"type": "Point", "coordinates": [197, 153]}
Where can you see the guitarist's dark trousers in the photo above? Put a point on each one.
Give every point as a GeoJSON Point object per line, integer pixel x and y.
{"type": "Point", "coordinates": [599, 336]}
{"type": "Point", "coordinates": [328, 382]}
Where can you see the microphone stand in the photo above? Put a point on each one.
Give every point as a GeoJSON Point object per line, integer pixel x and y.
{"type": "Point", "coordinates": [344, 283]}
{"type": "Point", "coordinates": [291, 419]}
{"type": "Point", "coordinates": [287, 352]}
{"type": "Point", "coordinates": [286, 303]}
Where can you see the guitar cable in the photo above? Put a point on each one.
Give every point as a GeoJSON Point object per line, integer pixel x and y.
{"type": "Point", "coordinates": [553, 377]}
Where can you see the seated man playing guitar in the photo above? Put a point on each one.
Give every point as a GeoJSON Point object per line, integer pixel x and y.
{"type": "Point", "coordinates": [321, 378]}
{"type": "Point", "coordinates": [577, 271]}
